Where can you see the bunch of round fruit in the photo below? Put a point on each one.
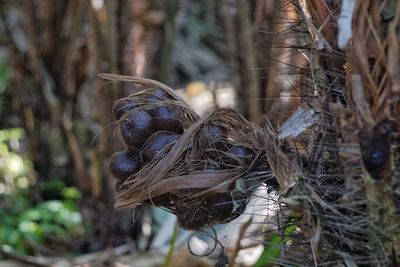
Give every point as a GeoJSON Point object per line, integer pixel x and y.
{"type": "Point", "coordinates": [195, 167]}
{"type": "Point", "coordinates": [148, 126]}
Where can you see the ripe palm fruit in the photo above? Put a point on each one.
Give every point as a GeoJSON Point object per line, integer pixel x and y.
{"type": "Point", "coordinates": [168, 118]}
{"type": "Point", "coordinates": [122, 106]}
{"type": "Point", "coordinates": [136, 126]}
{"type": "Point", "coordinates": [225, 207]}
{"type": "Point", "coordinates": [239, 156]}
{"type": "Point", "coordinates": [123, 164]}
{"type": "Point", "coordinates": [214, 132]}
{"type": "Point", "coordinates": [214, 209]}
{"type": "Point", "coordinates": [158, 95]}
{"type": "Point", "coordinates": [191, 218]}
{"type": "Point", "coordinates": [156, 142]}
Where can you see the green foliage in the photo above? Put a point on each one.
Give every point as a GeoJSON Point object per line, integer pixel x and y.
{"type": "Point", "coordinates": [5, 74]}
{"type": "Point", "coordinates": [23, 222]}
{"type": "Point", "coordinates": [14, 169]}
{"type": "Point", "coordinates": [272, 247]}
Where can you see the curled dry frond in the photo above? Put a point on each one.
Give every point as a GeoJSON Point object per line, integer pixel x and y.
{"type": "Point", "coordinates": [198, 168]}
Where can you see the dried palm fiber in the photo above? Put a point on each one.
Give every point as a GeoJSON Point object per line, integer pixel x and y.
{"type": "Point", "coordinates": [373, 79]}
{"type": "Point", "coordinates": [347, 217]}
{"type": "Point", "coordinates": [204, 174]}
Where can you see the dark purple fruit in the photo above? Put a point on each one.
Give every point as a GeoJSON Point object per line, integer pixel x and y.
{"type": "Point", "coordinates": [192, 218]}
{"type": "Point", "coordinates": [225, 207]}
{"type": "Point", "coordinates": [215, 132]}
{"type": "Point", "coordinates": [164, 200]}
{"type": "Point", "coordinates": [122, 106]}
{"type": "Point", "coordinates": [239, 156]}
{"type": "Point", "coordinates": [205, 166]}
{"type": "Point", "coordinates": [157, 95]}
{"type": "Point", "coordinates": [123, 164]}
{"type": "Point", "coordinates": [215, 209]}
{"type": "Point", "coordinates": [219, 206]}
{"type": "Point", "coordinates": [210, 142]}
{"type": "Point", "coordinates": [215, 151]}
{"type": "Point", "coordinates": [156, 143]}
{"type": "Point", "coordinates": [211, 167]}
{"type": "Point", "coordinates": [136, 126]}
{"type": "Point", "coordinates": [168, 119]}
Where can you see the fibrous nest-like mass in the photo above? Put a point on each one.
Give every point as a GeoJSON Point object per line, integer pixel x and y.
{"type": "Point", "coordinates": [201, 169]}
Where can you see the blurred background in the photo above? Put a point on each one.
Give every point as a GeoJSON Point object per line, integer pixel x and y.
{"type": "Point", "coordinates": [56, 126]}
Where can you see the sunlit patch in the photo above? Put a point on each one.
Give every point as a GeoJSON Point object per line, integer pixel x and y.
{"type": "Point", "coordinates": [28, 227]}
{"type": "Point", "coordinates": [15, 165]}
{"type": "Point", "coordinates": [14, 144]}
{"type": "Point", "coordinates": [76, 217]}
{"type": "Point", "coordinates": [146, 228]}
{"type": "Point", "coordinates": [198, 246]}
{"type": "Point", "coordinates": [97, 4]}
{"type": "Point", "coordinates": [54, 206]}
{"type": "Point", "coordinates": [22, 182]}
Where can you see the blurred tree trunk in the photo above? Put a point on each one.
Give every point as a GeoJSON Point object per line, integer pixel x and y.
{"type": "Point", "coordinates": [57, 49]}
{"type": "Point", "coordinates": [250, 85]}
{"type": "Point", "coordinates": [278, 58]}
{"type": "Point", "coordinates": [52, 54]}
{"type": "Point", "coordinates": [238, 21]}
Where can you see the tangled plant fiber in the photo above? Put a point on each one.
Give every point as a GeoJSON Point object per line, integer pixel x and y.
{"type": "Point", "coordinates": [201, 169]}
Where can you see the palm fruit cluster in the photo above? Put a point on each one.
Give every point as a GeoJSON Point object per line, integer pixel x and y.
{"type": "Point", "coordinates": [151, 123]}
